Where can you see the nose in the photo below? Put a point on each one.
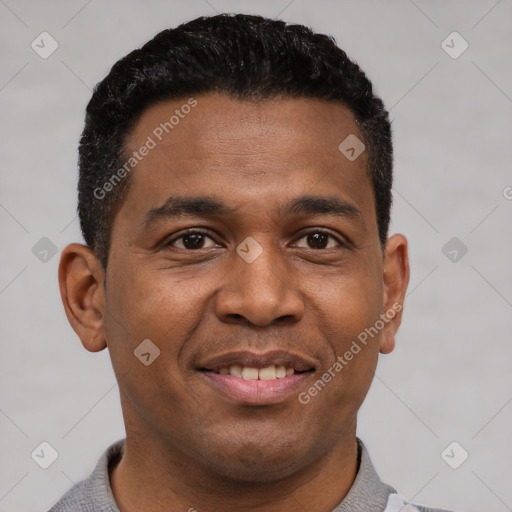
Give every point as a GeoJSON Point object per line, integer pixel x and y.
{"type": "Point", "coordinates": [262, 292]}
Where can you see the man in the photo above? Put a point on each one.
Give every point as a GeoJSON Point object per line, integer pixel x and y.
{"type": "Point", "coordinates": [235, 195]}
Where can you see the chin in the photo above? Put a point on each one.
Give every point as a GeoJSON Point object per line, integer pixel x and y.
{"type": "Point", "coordinates": [254, 462]}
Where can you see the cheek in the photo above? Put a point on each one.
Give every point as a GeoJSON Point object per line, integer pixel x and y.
{"type": "Point", "coordinates": [149, 305]}
{"type": "Point", "coordinates": [350, 302]}
{"type": "Point", "coordinates": [144, 306]}
{"type": "Point", "coordinates": [350, 308]}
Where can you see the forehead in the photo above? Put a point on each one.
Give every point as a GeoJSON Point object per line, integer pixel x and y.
{"type": "Point", "coordinates": [251, 152]}
{"type": "Point", "coordinates": [221, 124]}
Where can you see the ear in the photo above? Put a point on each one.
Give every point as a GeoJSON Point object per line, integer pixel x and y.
{"type": "Point", "coordinates": [395, 280]}
{"type": "Point", "coordinates": [81, 279]}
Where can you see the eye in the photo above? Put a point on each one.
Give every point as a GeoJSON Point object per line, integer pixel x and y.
{"type": "Point", "coordinates": [195, 240]}
{"type": "Point", "coordinates": [319, 239]}
{"type": "Point", "coordinates": [192, 240]}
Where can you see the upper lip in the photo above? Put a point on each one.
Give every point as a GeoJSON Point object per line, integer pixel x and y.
{"type": "Point", "coordinates": [258, 360]}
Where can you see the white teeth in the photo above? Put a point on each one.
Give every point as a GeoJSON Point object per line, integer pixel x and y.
{"type": "Point", "coordinates": [280, 372]}
{"type": "Point", "coordinates": [249, 373]}
{"type": "Point", "coordinates": [268, 373]}
{"type": "Point", "coordinates": [236, 370]}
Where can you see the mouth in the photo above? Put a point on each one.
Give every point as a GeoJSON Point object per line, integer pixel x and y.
{"type": "Point", "coordinates": [249, 378]}
{"type": "Point", "coordinates": [270, 372]}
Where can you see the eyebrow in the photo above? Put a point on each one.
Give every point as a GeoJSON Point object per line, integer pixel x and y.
{"type": "Point", "coordinates": [204, 206]}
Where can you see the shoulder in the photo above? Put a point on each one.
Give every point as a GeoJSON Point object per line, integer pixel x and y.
{"type": "Point", "coordinates": [369, 492]}
{"type": "Point", "coordinates": [75, 500]}
{"type": "Point", "coordinates": [396, 503]}
{"type": "Point", "coordinates": [94, 493]}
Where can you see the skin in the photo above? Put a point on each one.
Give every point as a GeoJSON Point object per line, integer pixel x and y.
{"type": "Point", "coordinates": [187, 444]}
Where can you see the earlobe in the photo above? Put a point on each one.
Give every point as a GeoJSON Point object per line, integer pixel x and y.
{"type": "Point", "coordinates": [395, 282]}
{"type": "Point", "coordinates": [83, 296]}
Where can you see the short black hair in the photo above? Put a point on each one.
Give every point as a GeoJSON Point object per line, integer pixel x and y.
{"type": "Point", "coordinates": [244, 56]}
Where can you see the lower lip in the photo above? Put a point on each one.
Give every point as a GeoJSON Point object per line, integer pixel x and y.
{"type": "Point", "coordinates": [257, 392]}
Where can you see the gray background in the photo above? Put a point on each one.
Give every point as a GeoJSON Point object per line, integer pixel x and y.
{"type": "Point", "coordinates": [449, 378]}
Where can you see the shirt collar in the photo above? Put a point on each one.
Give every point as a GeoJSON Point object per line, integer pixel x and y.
{"type": "Point", "coordinates": [367, 494]}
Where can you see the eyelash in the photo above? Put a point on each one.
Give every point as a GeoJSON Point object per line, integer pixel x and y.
{"type": "Point", "coordinates": [198, 232]}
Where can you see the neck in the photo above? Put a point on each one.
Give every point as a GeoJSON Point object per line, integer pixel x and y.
{"type": "Point", "coordinates": [150, 476]}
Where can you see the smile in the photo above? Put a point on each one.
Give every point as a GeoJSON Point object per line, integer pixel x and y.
{"type": "Point", "coordinates": [271, 372]}
{"type": "Point", "coordinates": [257, 379]}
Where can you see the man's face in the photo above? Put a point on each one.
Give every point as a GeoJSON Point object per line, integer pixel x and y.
{"type": "Point", "coordinates": [254, 283]}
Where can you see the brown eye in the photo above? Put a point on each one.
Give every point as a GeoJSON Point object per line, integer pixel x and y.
{"type": "Point", "coordinates": [320, 240]}
{"type": "Point", "coordinates": [191, 241]}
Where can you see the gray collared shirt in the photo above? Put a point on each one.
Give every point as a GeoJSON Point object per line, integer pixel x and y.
{"type": "Point", "coordinates": [367, 494]}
